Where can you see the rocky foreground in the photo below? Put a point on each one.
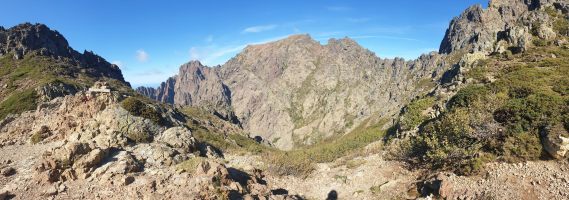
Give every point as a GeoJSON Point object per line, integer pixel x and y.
{"type": "Point", "coordinates": [81, 147]}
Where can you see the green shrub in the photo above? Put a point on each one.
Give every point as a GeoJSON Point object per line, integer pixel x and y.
{"type": "Point", "coordinates": [190, 165]}
{"type": "Point", "coordinates": [540, 42]}
{"type": "Point", "coordinates": [138, 108]}
{"type": "Point", "coordinates": [295, 163]}
{"type": "Point", "coordinates": [447, 142]}
{"type": "Point", "coordinates": [562, 87]}
{"type": "Point", "coordinates": [413, 115]}
{"type": "Point", "coordinates": [466, 96]}
{"type": "Point", "coordinates": [521, 147]}
{"type": "Point", "coordinates": [520, 92]}
{"type": "Point", "coordinates": [531, 113]}
{"type": "Point", "coordinates": [36, 138]}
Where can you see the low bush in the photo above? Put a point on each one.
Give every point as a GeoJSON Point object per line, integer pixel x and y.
{"type": "Point", "coordinates": [522, 146]}
{"type": "Point", "coordinates": [36, 138]}
{"type": "Point", "coordinates": [466, 96]}
{"type": "Point", "coordinates": [448, 142]}
{"type": "Point", "coordinates": [138, 108]}
{"type": "Point", "coordinates": [413, 113]}
{"type": "Point", "coordinates": [295, 163]}
{"type": "Point", "coordinates": [540, 42]}
{"type": "Point", "coordinates": [190, 165]}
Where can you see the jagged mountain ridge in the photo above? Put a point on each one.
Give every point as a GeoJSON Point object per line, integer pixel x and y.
{"type": "Point", "coordinates": [296, 90]}
{"type": "Point", "coordinates": [29, 38]}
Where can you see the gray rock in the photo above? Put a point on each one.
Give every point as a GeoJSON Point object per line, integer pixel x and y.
{"type": "Point", "coordinates": [506, 21]}
{"type": "Point", "coordinates": [180, 138]}
{"type": "Point", "coordinates": [53, 90]}
{"type": "Point", "coordinates": [556, 141]}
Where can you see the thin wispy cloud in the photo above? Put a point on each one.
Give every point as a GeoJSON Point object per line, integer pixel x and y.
{"type": "Point", "coordinates": [141, 55]}
{"type": "Point", "coordinates": [215, 55]}
{"type": "Point", "coordinates": [338, 8]}
{"type": "Point", "coordinates": [257, 29]}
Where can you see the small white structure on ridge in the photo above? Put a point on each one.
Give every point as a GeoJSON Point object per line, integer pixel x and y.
{"type": "Point", "coordinates": [100, 87]}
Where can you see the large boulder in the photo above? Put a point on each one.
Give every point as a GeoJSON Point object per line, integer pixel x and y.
{"type": "Point", "coordinates": [179, 138]}
{"type": "Point", "coordinates": [438, 185]}
{"type": "Point", "coordinates": [556, 141]}
{"type": "Point", "coordinates": [158, 155]}
{"type": "Point", "coordinates": [135, 128]}
{"type": "Point", "coordinates": [121, 162]}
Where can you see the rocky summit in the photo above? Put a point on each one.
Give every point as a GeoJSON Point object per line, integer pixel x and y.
{"type": "Point", "coordinates": [485, 117]}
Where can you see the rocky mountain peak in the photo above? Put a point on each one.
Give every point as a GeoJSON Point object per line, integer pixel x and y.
{"type": "Point", "coordinates": [298, 40]}
{"type": "Point", "coordinates": [28, 37]}
{"type": "Point", "coordinates": [193, 64]}
{"type": "Point", "coordinates": [40, 40]}
{"type": "Point", "coordinates": [504, 25]}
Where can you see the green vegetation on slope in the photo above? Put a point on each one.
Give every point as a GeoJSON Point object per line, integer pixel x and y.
{"type": "Point", "coordinates": [235, 142]}
{"type": "Point", "coordinates": [301, 162]}
{"type": "Point", "coordinates": [18, 102]}
{"type": "Point", "coordinates": [499, 120]}
{"type": "Point", "coordinates": [20, 78]}
{"type": "Point", "coordinates": [413, 114]}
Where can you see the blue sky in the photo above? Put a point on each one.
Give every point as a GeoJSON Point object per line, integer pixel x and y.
{"type": "Point", "coordinates": [149, 40]}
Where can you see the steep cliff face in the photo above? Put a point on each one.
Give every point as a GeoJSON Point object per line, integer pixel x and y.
{"type": "Point", "coordinates": [296, 91]}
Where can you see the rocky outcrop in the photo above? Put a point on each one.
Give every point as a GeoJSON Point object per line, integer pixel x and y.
{"type": "Point", "coordinates": [95, 143]}
{"type": "Point", "coordinates": [504, 25]}
{"type": "Point", "coordinates": [27, 38]}
{"type": "Point", "coordinates": [246, 186]}
{"type": "Point", "coordinates": [298, 88]}
{"type": "Point", "coordinates": [556, 141]}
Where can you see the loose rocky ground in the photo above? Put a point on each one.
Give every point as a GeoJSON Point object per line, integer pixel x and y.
{"type": "Point", "coordinates": [529, 180]}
